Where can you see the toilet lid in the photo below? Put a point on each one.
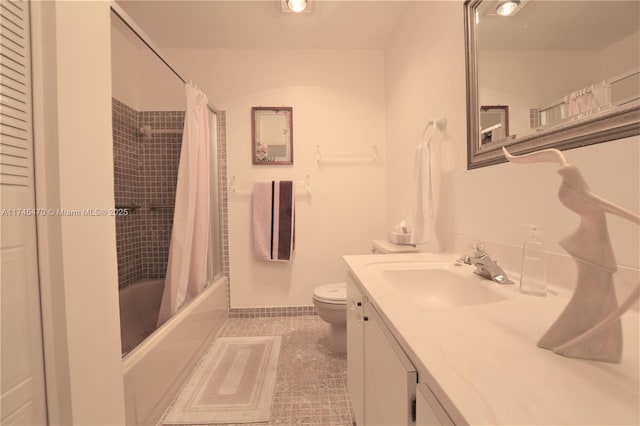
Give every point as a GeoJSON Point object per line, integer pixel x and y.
{"type": "Point", "coordinates": [335, 293]}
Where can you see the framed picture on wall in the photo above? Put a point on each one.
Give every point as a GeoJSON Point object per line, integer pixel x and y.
{"type": "Point", "coordinates": [272, 135]}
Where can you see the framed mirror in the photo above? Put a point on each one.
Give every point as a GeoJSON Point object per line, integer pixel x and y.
{"type": "Point", "coordinates": [566, 72]}
{"type": "Point", "coordinates": [494, 123]}
{"type": "Point", "coordinates": [272, 135]}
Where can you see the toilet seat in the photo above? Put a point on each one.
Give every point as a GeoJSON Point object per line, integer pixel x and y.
{"type": "Point", "coordinates": [334, 294]}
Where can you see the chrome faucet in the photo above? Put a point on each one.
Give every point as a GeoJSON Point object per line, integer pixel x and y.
{"type": "Point", "coordinates": [485, 266]}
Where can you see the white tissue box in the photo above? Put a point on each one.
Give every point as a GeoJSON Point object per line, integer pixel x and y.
{"type": "Point", "coordinates": [399, 238]}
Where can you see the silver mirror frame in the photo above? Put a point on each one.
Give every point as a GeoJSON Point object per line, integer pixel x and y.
{"type": "Point", "coordinates": [616, 123]}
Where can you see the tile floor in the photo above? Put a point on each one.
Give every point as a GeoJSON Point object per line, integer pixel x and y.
{"type": "Point", "coordinates": [311, 383]}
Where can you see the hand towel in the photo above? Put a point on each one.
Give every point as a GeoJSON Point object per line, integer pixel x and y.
{"type": "Point", "coordinates": [422, 194]}
{"type": "Point", "coordinates": [274, 220]}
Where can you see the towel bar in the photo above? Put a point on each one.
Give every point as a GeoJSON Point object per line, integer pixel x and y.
{"type": "Point", "coordinates": [234, 186]}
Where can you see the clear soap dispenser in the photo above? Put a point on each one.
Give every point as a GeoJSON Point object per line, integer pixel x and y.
{"type": "Point", "coordinates": [532, 276]}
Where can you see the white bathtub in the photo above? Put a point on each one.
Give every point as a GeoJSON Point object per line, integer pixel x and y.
{"type": "Point", "coordinates": [156, 369]}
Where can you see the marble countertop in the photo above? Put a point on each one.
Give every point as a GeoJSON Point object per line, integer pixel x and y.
{"type": "Point", "coordinates": [482, 362]}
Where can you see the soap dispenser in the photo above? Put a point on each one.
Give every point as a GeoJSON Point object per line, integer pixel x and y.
{"type": "Point", "coordinates": [532, 275]}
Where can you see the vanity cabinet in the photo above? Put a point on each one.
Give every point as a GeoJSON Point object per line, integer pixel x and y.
{"type": "Point", "coordinates": [428, 410]}
{"type": "Point", "coordinates": [389, 377]}
{"type": "Point", "coordinates": [355, 349]}
{"type": "Point", "coordinates": [381, 379]}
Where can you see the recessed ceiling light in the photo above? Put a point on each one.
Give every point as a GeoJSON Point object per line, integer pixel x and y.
{"type": "Point", "coordinates": [296, 6]}
{"type": "Point", "coordinates": [507, 8]}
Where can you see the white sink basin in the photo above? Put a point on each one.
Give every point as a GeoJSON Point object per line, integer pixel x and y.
{"type": "Point", "coordinates": [439, 285]}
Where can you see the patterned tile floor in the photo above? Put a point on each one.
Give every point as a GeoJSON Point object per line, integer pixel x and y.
{"type": "Point", "coordinates": [311, 383]}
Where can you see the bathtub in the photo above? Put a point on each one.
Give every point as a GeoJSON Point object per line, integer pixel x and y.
{"type": "Point", "coordinates": [155, 370]}
{"type": "Point", "coordinates": [139, 307]}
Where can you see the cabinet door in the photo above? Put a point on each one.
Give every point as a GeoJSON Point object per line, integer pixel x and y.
{"type": "Point", "coordinates": [429, 412]}
{"type": "Point", "coordinates": [355, 350]}
{"type": "Point", "coordinates": [390, 378]}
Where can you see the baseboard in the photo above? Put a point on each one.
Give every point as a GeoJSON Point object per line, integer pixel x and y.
{"type": "Point", "coordinates": [271, 311]}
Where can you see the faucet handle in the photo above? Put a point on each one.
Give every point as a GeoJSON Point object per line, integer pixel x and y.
{"type": "Point", "coordinates": [478, 248]}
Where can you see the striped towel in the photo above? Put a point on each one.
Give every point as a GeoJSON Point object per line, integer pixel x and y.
{"type": "Point", "coordinates": [273, 220]}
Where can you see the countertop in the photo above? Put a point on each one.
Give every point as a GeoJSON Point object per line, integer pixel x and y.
{"type": "Point", "coordinates": [386, 247]}
{"type": "Point", "coordinates": [482, 362]}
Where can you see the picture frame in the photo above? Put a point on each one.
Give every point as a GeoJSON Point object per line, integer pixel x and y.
{"type": "Point", "coordinates": [272, 135]}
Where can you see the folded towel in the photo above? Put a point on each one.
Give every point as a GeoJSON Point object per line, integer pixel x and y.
{"type": "Point", "coordinates": [273, 220]}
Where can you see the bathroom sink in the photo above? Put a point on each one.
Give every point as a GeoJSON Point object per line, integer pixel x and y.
{"type": "Point", "coordinates": [438, 285]}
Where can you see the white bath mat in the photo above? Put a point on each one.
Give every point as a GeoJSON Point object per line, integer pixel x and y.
{"type": "Point", "coordinates": [233, 383]}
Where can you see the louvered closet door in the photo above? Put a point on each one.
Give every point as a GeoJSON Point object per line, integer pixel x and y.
{"type": "Point", "coordinates": [22, 375]}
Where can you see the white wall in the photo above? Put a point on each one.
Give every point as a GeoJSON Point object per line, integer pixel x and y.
{"type": "Point", "coordinates": [159, 88]}
{"type": "Point", "coordinates": [528, 194]}
{"type": "Point", "coordinates": [621, 56]}
{"type": "Point", "coordinates": [77, 255]}
{"type": "Point", "coordinates": [338, 103]}
{"type": "Point", "coordinates": [140, 79]}
{"type": "Point", "coordinates": [522, 80]}
{"type": "Point", "coordinates": [124, 65]}
{"type": "Point", "coordinates": [425, 77]}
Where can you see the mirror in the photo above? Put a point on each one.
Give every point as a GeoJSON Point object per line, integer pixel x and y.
{"type": "Point", "coordinates": [494, 123]}
{"type": "Point", "coordinates": [565, 74]}
{"type": "Point", "coordinates": [272, 140]}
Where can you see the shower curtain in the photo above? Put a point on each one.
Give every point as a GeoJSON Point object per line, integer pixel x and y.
{"type": "Point", "coordinates": [187, 267]}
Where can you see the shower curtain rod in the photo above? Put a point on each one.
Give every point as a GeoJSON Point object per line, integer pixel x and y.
{"type": "Point", "coordinates": [130, 23]}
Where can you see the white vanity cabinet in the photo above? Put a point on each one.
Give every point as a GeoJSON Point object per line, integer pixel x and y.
{"type": "Point", "coordinates": [355, 349]}
{"type": "Point", "coordinates": [381, 379]}
{"type": "Point", "coordinates": [389, 377]}
{"type": "Point", "coordinates": [429, 412]}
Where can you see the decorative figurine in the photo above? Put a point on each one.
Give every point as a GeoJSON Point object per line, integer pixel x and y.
{"type": "Point", "coordinates": [589, 327]}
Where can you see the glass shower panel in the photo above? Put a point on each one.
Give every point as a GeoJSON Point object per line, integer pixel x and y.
{"type": "Point", "coordinates": [214, 258]}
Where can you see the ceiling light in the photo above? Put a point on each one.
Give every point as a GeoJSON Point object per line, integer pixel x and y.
{"type": "Point", "coordinates": [507, 8]}
{"type": "Point", "coordinates": [297, 5]}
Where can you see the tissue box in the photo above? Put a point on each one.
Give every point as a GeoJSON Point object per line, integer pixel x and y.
{"type": "Point", "coordinates": [399, 238]}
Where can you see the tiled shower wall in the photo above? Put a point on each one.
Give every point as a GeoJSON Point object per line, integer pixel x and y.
{"type": "Point", "coordinates": [126, 185]}
{"type": "Point", "coordinates": [145, 174]}
{"type": "Point", "coordinates": [159, 157]}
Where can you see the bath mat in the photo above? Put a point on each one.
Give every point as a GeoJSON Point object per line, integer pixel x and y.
{"type": "Point", "coordinates": [233, 383]}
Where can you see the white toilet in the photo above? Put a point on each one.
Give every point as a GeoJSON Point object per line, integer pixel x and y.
{"type": "Point", "coordinates": [330, 301]}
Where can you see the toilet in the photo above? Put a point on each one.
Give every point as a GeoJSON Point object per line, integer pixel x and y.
{"type": "Point", "coordinates": [330, 301]}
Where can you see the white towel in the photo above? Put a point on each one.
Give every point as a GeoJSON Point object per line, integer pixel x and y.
{"type": "Point", "coordinates": [273, 220]}
{"type": "Point", "coordinates": [422, 209]}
